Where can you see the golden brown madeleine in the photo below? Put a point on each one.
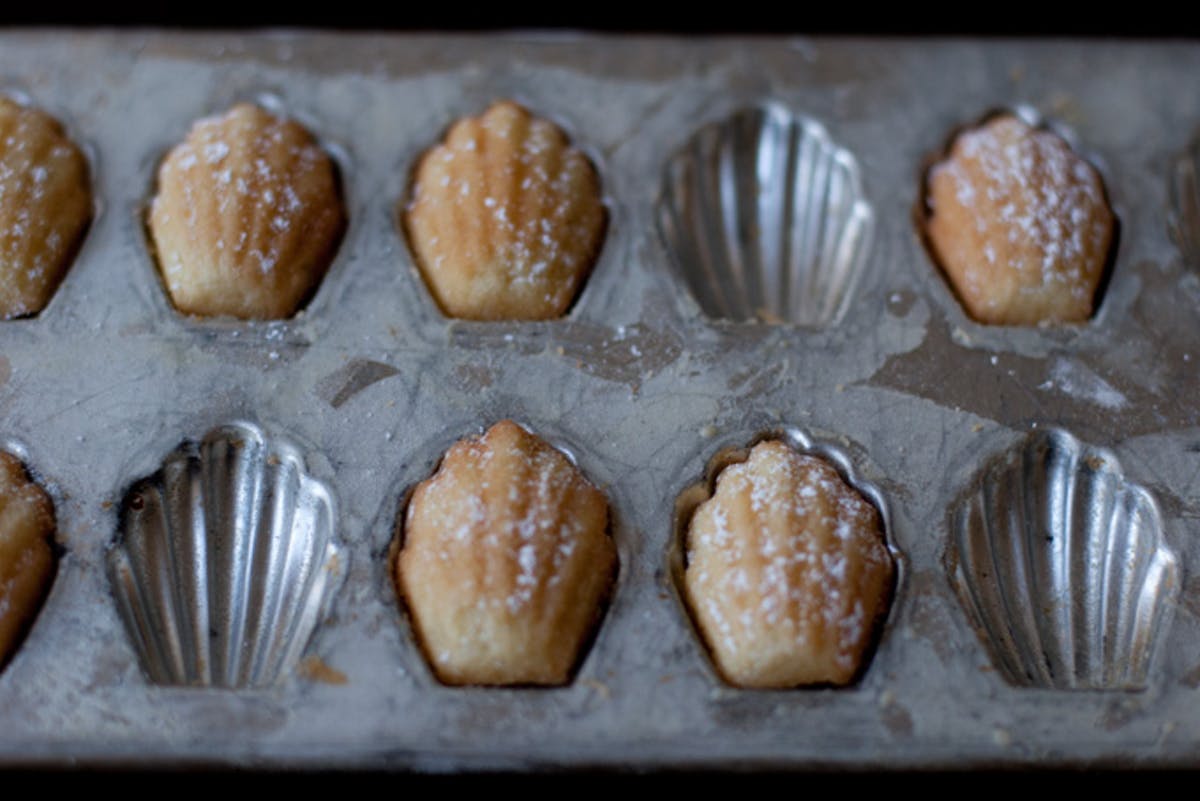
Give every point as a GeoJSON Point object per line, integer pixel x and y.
{"type": "Point", "coordinates": [506, 561]}
{"type": "Point", "coordinates": [26, 553]}
{"type": "Point", "coordinates": [1019, 224]}
{"type": "Point", "coordinates": [45, 207]}
{"type": "Point", "coordinates": [247, 217]}
{"type": "Point", "coordinates": [506, 217]}
{"type": "Point", "coordinates": [787, 572]}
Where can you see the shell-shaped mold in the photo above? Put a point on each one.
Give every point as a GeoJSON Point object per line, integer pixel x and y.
{"type": "Point", "coordinates": [225, 561]}
{"type": "Point", "coordinates": [1061, 564]}
{"type": "Point", "coordinates": [766, 218]}
{"type": "Point", "coordinates": [1185, 203]}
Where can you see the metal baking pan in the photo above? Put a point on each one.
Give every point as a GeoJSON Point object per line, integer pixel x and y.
{"type": "Point", "coordinates": [644, 387]}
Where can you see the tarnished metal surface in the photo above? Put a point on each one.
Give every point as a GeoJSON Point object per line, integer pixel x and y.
{"type": "Point", "coordinates": [372, 384]}
{"type": "Point", "coordinates": [225, 561]}
{"type": "Point", "coordinates": [765, 218]}
{"type": "Point", "coordinates": [1061, 564]}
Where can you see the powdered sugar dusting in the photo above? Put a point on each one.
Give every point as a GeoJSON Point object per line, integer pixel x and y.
{"type": "Point", "coordinates": [45, 204]}
{"type": "Point", "coordinates": [515, 532]}
{"type": "Point", "coordinates": [26, 558]}
{"type": "Point", "coordinates": [787, 569]}
{"type": "Point", "coordinates": [249, 200]}
{"type": "Point", "coordinates": [1074, 379]}
{"type": "Point", "coordinates": [259, 183]}
{"type": "Point", "coordinates": [1042, 190]}
{"type": "Point", "coordinates": [506, 217]}
{"type": "Point", "coordinates": [1015, 200]}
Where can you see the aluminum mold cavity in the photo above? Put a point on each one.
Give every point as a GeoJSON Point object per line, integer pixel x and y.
{"type": "Point", "coordinates": [225, 561]}
{"type": "Point", "coordinates": [1061, 565]}
{"type": "Point", "coordinates": [765, 218]}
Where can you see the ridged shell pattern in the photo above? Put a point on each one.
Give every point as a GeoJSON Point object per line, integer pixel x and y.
{"type": "Point", "coordinates": [1019, 223]}
{"type": "Point", "coordinates": [225, 561]}
{"type": "Point", "coordinates": [506, 560]}
{"type": "Point", "coordinates": [506, 218]}
{"type": "Point", "coordinates": [766, 218]}
{"type": "Point", "coordinates": [45, 207]}
{"type": "Point", "coordinates": [1061, 565]}
{"type": "Point", "coordinates": [788, 571]}
{"type": "Point", "coordinates": [247, 217]}
{"type": "Point", "coordinates": [1185, 203]}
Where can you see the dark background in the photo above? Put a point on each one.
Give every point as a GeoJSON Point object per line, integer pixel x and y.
{"type": "Point", "coordinates": [974, 18]}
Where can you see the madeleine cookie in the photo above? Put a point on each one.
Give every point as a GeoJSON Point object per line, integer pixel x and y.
{"type": "Point", "coordinates": [26, 555]}
{"type": "Point", "coordinates": [787, 572]}
{"type": "Point", "coordinates": [506, 217]}
{"type": "Point", "coordinates": [506, 561]}
{"type": "Point", "coordinates": [45, 207]}
{"type": "Point", "coordinates": [1019, 224]}
{"type": "Point", "coordinates": [247, 217]}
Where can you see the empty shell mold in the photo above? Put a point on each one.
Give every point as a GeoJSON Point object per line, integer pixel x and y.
{"type": "Point", "coordinates": [1061, 565]}
{"type": "Point", "coordinates": [225, 561]}
{"type": "Point", "coordinates": [765, 218]}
